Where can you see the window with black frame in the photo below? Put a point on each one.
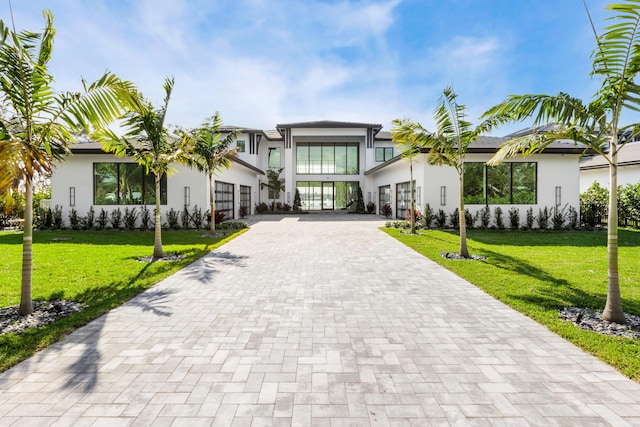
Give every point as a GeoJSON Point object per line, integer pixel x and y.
{"type": "Point", "coordinates": [384, 154]}
{"type": "Point", "coordinates": [224, 199]}
{"type": "Point", "coordinates": [403, 199]}
{"type": "Point", "coordinates": [125, 184]}
{"type": "Point", "coordinates": [507, 183]}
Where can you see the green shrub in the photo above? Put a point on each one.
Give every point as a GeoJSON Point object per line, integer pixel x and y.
{"type": "Point", "coordinates": [497, 213]}
{"type": "Point", "coordinates": [454, 219]}
{"type": "Point", "coordinates": [130, 218]}
{"type": "Point", "coordinates": [197, 217]}
{"type": "Point", "coordinates": [593, 205]}
{"type": "Point", "coordinates": [441, 219]}
{"type": "Point", "coordinates": [485, 217]}
{"type": "Point", "coordinates": [88, 221]}
{"type": "Point", "coordinates": [427, 216]}
{"type": "Point", "coordinates": [145, 218]}
{"type": "Point", "coordinates": [469, 219]}
{"type": "Point", "coordinates": [173, 219]}
{"type": "Point", "coordinates": [102, 220]}
{"type": "Point", "coordinates": [57, 221]}
{"type": "Point", "coordinates": [543, 218]}
{"type": "Point", "coordinates": [115, 219]}
{"type": "Point", "coordinates": [558, 218]}
{"type": "Point", "coordinates": [529, 219]}
{"type": "Point", "coordinates": [232, 225]}
{"type": "Point", "coordinates": [185, 219]}
{"type": "Point", "coordinates": [514, 218]}
{"type": "Point", "coordinates": [74, 219]}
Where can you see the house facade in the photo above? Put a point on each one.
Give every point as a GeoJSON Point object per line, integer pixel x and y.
{"type": "Point", "coordinates": [596, 168]}
{"type": "Point", "coordinates": [326, 162]}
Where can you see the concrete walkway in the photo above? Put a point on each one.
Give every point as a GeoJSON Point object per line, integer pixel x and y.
{"type": "Point", "coordinates": [322, 320]}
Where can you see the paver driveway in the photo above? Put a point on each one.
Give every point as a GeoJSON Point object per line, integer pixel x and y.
{"type": "Point", "coordinates": [322, 320]}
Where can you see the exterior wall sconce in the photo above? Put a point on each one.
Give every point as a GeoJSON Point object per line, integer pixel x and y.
{"type": "Point", "coordinates": [368, 196]}
{"type": "Point", "coordinates": [443, 195]}
{"type": "Point", "coordinates": [72, 196]}
{"type": "Point", "coordinates": [558, 196]}
{"type": "Point", "coordinates": [288, 197]}
{"type": "Point", "coordinates": [187, 196]}
{"type": "Point", "coordinates": [418, 196]}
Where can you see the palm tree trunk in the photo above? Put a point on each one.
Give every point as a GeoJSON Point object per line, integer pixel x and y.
{"type": "Point", "coordinates": [212, 206]}
{"type": "Point", "coordinates": [157, 242]}
{"type": "Point", "coordinates": [613, 309]}
{"type": "Point", "coordinates": [26, 306]}
{"type": "Point", "coordinates": [464, 251]}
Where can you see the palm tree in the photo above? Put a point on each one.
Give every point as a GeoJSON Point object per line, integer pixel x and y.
{"type": "Point", "coordinates": [616, 61]}
{"type": "Point", "coordinates": [448, 146]}
{"type": "Point", "coordinates": [211, 153]}
{"type": "Point", "coordinates": [274, 183]}
{"type": "Point", "coordinates": [405, 139]}
{"type": "Point", "coordinates": [40, 123]}
{"type": "Point", "coordinates": [152, 145]}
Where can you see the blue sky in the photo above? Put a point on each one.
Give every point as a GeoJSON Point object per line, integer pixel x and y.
{"type": "Point", "coordinates": [264, 62]}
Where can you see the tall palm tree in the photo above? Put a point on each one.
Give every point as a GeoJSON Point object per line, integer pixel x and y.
{"type": "Point", "coordinates": [616, 62]}
{"type": "Point", "coordinates": [406, 141]}
{"type": "Point", "coordinates": [448, 145]}
{"type": "Point", "coordinates": [40, 123]}
{"type": "Point", "coordinates": [212, 152]}
{"type": "Point", "coordinates": [152, 145]}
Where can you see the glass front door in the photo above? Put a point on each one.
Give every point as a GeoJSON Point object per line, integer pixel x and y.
{"type": "Point", "coordinates": [327, 196]}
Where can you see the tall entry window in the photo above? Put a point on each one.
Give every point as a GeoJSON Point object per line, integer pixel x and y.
{"type": "Point", "coordinates": [508, 183]}
{"type": "Point", "coordinates": [403, 199]}
{"type": "Point", "coordinates": [224, 199]}
{"type": "Point", "coordinates": [275, 161]}
{"type": "Point", "coordinates": [384, 193]}
{"type": "Point", "coordinates": [318, 195]}
{"type": "Point", "coordinates": [245, 197]}
{"type": "Point", "coordinates": [327, 159]}
{"type": "Point", "coordinates": [125, 184]}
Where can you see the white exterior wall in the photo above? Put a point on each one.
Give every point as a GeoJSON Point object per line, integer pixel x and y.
{"type": "Point", "coordinates": [553, 170]}
{"type": "Point", "coordinates": [77, 172]}
{"type": "Point", "coordinates": [626, 175]}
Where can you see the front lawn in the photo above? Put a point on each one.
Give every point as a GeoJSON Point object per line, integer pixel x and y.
{"type": "Point", "coordinates": [539, 273]}
{"type": "Point", "coordinates": [96, 268]}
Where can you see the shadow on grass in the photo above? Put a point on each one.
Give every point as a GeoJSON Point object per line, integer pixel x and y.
{"type": "Point", "coordinates": [552, 292]}
{"type": "Point", "coordinates": [626, 237]}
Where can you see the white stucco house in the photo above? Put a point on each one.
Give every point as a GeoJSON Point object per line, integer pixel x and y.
{"type": "Point", "coordinates": [596, 168]}
{"type": "Point", "coordinates": [326, 161]}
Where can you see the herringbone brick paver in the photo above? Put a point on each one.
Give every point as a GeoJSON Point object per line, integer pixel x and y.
{"type": "Point", "coordinates": [318, 320]}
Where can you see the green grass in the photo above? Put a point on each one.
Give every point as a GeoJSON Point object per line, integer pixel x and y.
{"type": "Point", "coordinates": [98, 269]}
{"type": "Point", "coordinates": [538, 273]}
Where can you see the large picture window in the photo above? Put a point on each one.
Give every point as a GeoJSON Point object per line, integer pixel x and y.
{"type": "Point", "coordinates": [317, 195]}
{"type": "Point", "coordinates": [224, 199]}
{"type": "Point", "coordinates": [506, 184]}
{"type": "Point", "coordinates": [125, 184]}
{"type": "Point", "coordinates": [327, 159]}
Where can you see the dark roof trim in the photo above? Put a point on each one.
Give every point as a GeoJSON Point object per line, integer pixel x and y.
{"type": "Point", "coordinates": [606, 165]}
{"type": "Point", "coordinates": [95, 148]}
{"type": "Point", "coordinates": [329, 124]}
{"type": "Point", "coordinates": [247, 165]}
{"type": "Point", "coordinates": [383, 165]}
